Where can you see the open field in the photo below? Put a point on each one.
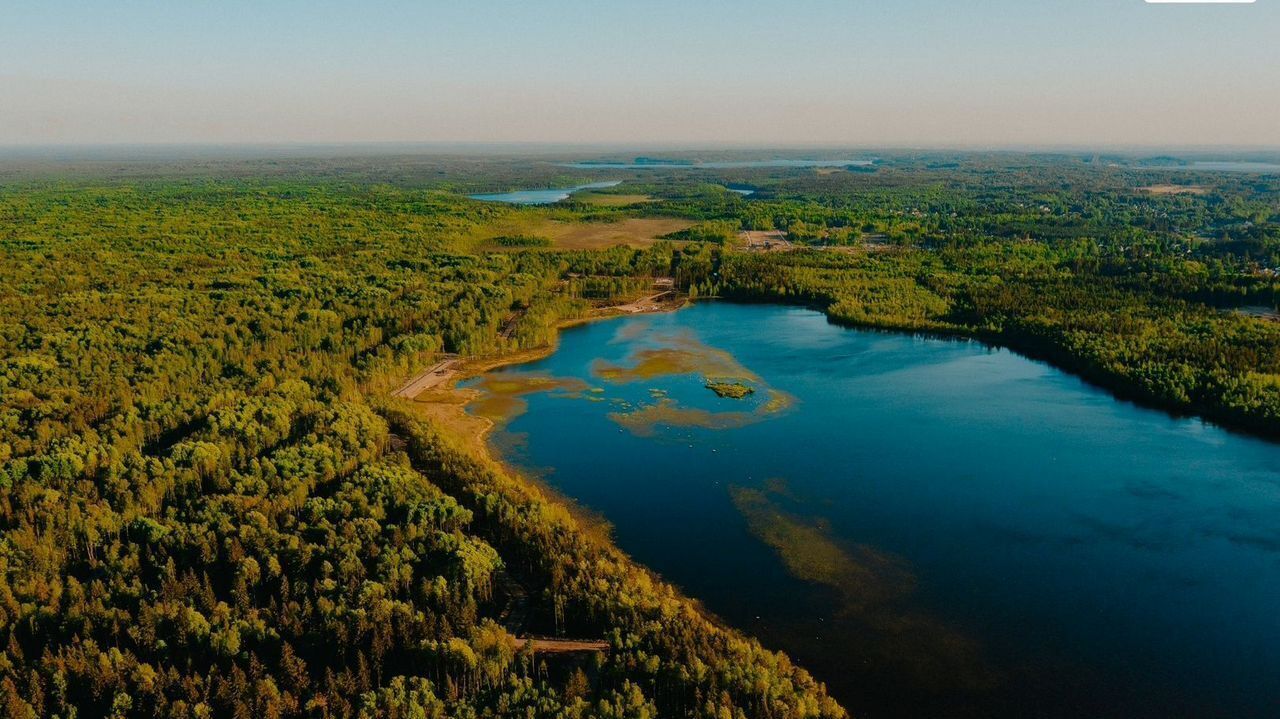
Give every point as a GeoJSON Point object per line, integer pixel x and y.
{"type": "Point", "coordinates": [636, 232]}
{"type": "Point", "coordinates": [1175, 189]}
{"type": "Point", "coordinates": [605, 199]}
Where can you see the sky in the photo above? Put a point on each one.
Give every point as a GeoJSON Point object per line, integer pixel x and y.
{"type": "Point", "coordinates": [856, 73]}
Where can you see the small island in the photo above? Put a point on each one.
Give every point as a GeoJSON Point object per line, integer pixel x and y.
{"type": "Point", "coordinates": [731, 390]}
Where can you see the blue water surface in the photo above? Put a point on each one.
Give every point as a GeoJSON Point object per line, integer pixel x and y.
{"type": "Point", "coordinates": [718, 165]}
{"type": "Point", "coordinates": [540, 197]}
{"type": "Point", "coordinates": [1028, 544]}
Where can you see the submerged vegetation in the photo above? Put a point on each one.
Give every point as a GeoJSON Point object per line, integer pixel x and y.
{"type": "Point", "coordinates": [683, 354]}
{"type": "Point", "coordinates": [502, 400]}
{"type": "Point", "coordinates": [210, 504]}
{"type": "Point", "coordinates": [644, 421]}
{"type": "Point", "coordinates": [871, 588]}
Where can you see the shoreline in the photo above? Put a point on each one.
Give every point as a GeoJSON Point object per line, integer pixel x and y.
{"type": "Point", "coordinates": [448, 408]}
{"type": "Point", "coordinates": [448, 394]}
{"type": "Point", "coordinates": [1051, 355]}
{"type": "Point", "coordinates": [461, 369]}
{"type": "Point", "coordinates": [445, 406]}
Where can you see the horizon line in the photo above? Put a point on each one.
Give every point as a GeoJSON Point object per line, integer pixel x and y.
{"type": "Point", "coordinates": [625, 145]}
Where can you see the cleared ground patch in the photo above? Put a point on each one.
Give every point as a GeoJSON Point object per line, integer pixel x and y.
{"type": "Point", "coordinates": [633, 232]}
{"type": "Point", "coordinates": [1175, 189]}
{"type": "Point", "coordinates": [606, 199]}
{"type": "Point", "coordinates": [765, 241]}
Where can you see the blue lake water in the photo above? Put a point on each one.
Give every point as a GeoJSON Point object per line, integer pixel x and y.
{"type": "Point", "coordinates": [725, 165]}
{"type": "Point", "coordinates": [540, 197]}
{"type": "Point", "coordinates": [930, 526]}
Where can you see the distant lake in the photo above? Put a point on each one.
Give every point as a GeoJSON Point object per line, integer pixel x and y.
{"type": "Point", "coordinates": [540, 197]}
{"type": "Point", "coordinates": [933, 527]}
{"type": "Point", "coordinates": [1264, 167]}
{"type": "Point", "coordinates": [691, 165]}
{"type": "Point", "coordinates": [1220, 166]}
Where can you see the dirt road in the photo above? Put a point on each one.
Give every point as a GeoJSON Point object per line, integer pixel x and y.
{"type": "Point", "coordinates": [566, 646]}
{"type": "Point", "coordinates": [433, 376]}
{"type": "Point", "coordinates": [644, 304]}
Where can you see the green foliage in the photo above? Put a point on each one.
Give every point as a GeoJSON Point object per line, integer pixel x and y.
{"type": "Point", "coordinates": [1120, 331]}
{"type": "Point", "coordinates": [205, 511]}
{"type": "Point", "coordinates": [521, 241]}
{"type": "Point", "coordinates": [718, 232]}
{"type": "Point", "coordinates": [204, 515]}
{"type": "Point", "coordinates": [730, 390]}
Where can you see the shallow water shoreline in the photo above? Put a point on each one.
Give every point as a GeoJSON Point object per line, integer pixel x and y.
{"type": "Point", "coordinates": [664, 491]}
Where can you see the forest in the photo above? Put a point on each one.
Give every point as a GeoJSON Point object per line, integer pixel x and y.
{"type": "Point", "coordinates": [211, 506]}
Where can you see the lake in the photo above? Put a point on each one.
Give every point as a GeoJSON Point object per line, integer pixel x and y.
{"type": "Point", "coordinates": [1236, 166]}
{"type": "Point", "coordinates": [725, 165]}
{"type": "Point", "coordinates": [540, 197]}
{"type": "Point", "coordinates": [930, 526]}
{"type": "Point", "coordinates": [1262, 168]}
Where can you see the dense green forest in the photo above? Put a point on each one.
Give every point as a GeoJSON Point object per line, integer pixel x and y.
{"type": "Point", "coordinates": [209, 511]}
{"type": "Point", "coordinates": [210, 505]}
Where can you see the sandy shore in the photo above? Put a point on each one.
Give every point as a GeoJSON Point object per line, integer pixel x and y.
{"type": "Point", "coordinates": [444, 404]}
{"type": "Point", "coordinates": [435, 394]}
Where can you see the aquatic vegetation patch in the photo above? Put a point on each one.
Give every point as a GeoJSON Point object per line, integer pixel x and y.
{"type": "Point", "coordinates": [861, 575]}
{"type": "Point", "coordinates": [644, 422]}
{"type": "Point", "coordinates": [631, 331]}
{"type": "Point", "coordinates": [872, 588]}
{"type": "Point", "coordinates": [498, 408]}
{"type": "Point", "coordinates": [648, 364]}
{"type": "Point", "coordinates": [731, 390]}
{"type": "Point", "coordinates": [777, 402]}
{"type": "Point", "coordinates": [682, 354]}
{"type": "Point", "coordinates": [780, 487]}
{"type": "Point", "coordinates": [501, 396]}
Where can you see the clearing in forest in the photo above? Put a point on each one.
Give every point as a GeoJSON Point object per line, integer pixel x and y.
{"type": "Point", "coordinates": [765, 241]}
{"type": "Point", "coordinates": [1175, 189]}
{"type": "Point", "coordinates": [635, 232]}
{"type": "Point", "coordinates": [605, 199]}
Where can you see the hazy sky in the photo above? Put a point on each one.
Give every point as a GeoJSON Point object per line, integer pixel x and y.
{"type": "Point", "coordinates": [799, 72]}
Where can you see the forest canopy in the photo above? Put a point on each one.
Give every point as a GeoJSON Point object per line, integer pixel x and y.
{"type": "Point", "coordinates": [211, 505]}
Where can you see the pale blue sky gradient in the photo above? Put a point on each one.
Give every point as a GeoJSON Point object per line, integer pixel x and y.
{"type": "Point", "coordinates": [803, 72]}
